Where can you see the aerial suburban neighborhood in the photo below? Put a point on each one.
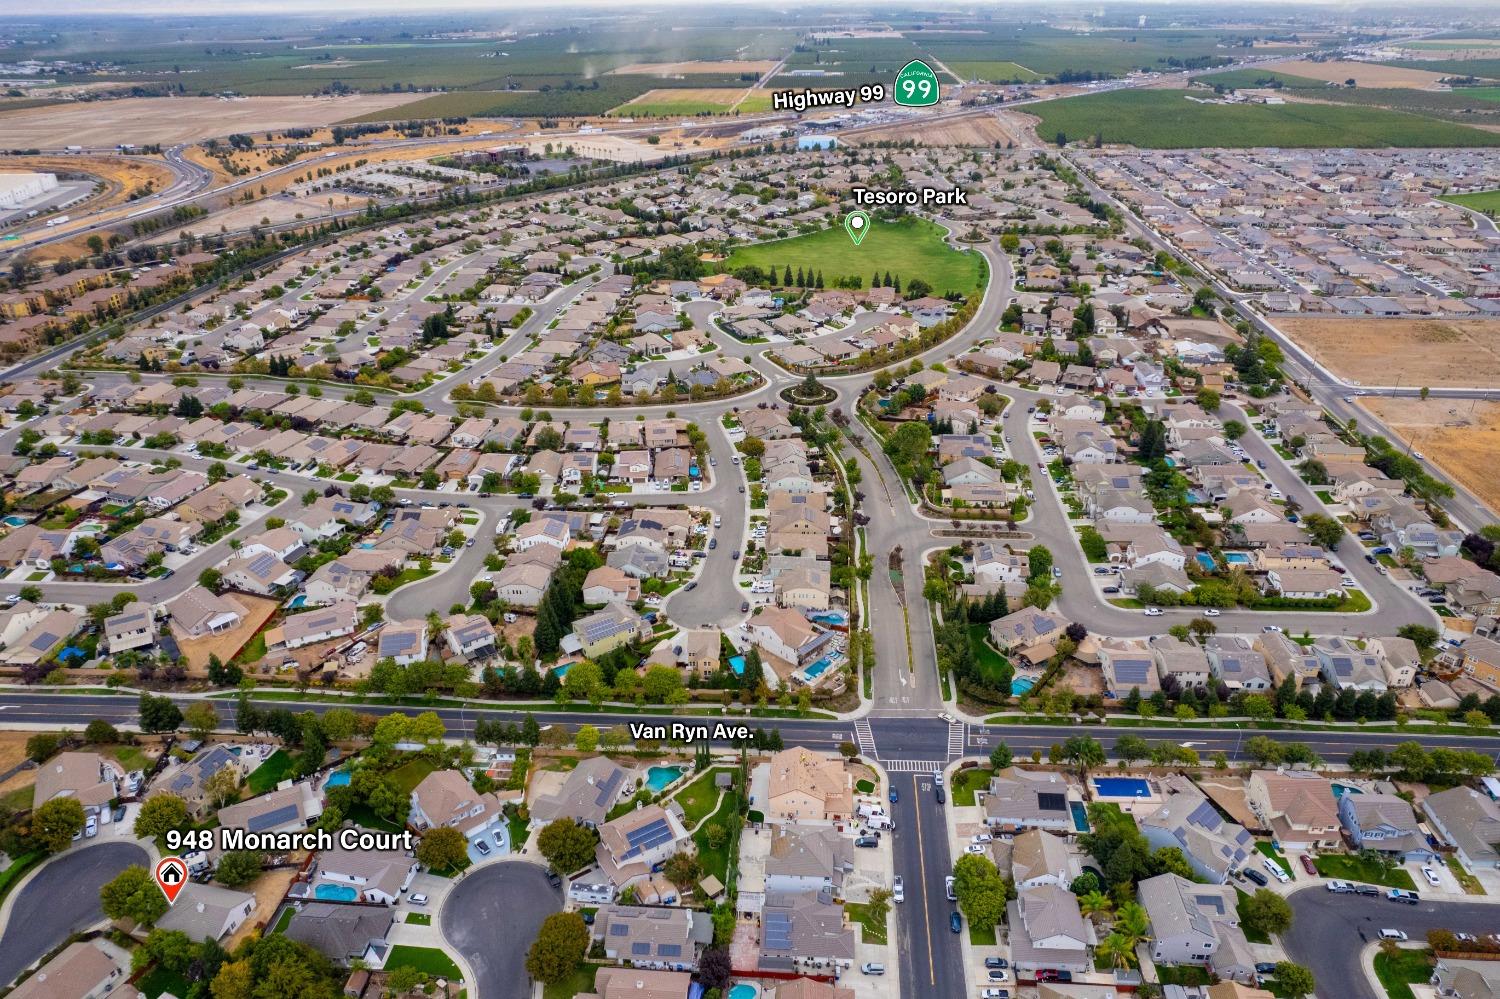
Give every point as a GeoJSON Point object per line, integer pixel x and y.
{"type": "Point", "coordinates": [655, 502]}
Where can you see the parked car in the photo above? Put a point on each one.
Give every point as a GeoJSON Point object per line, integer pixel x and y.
{"type": "Point", "coordinates": [942, 799]}
{"type": "Point", "coordinates": [872, 968]}
{"type": "Point", "coordinates": [1277, 871]}
{"type": "Point", "coordinates": [1431, 876]}
{"type": "Point", "coordinates": [977, 848]}
{"type": "Point", "coordinates": [1052, 975]}
{"type": "Point", "coordinates": [1402, 895]}
{"type": "Point", "coordinates": [867, 842]}
{"type": "Point", "coordinates": [996, 962]}
{"type": "Point", "coordinates": [1389, 934]}
{"type": "Point", "coordinates": [895, 797]}
{"type": "Point", "coordinates": [1255, 876]}
{"type": "Point", "coordinates": [1340, 887]}
{"type": "Point", "coordinates": [1152, 612]}
{"type": "Point", "coordinates": [955, 922]}
{"type": "Point", "coordinates": [948, 888]}
{"type": "Point", "coordinates": [994, 994]}
{"type": "Point", "coordinates": [898, 889]}
{"type": "Point", "coordinates": [1369, 890]}
{"type": "Point", "coordinates": [482, 847]}
{"type": "Point", "coordinates": [1308, 865]}
{"type": "Point", "coordinates": [1210, 612]}
{"type": "Point", "coordinates": [999, 975]}
{"type": "Point", "coordinates": [982, 838]}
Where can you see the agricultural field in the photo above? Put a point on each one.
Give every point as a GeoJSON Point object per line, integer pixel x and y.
{"type": "Point", "coordinates": [993, 72]}
{"type": "Point", "coordinates": [909, 248]}
{"type": "Point", "coordinates": [1487, 69]}
{"type": "Point", "coordinates": [1461, 435]}
{"type": "Point", "coordinates": [1167, 119]}
{"type": "Point", "coordinates": [170, 120]}
{"type": "Point", "coordinates": [1259, 78]}
{"type": "Point", "coordinates": [1364, 74]}
{"type": "Point", "coordinates": [722, 67]}
{"type": "Point", "coordinates": [1481, 201]}
{"type": "Point", "coordinates": [978, 129]}
{"type": "Point", "coordinates": [688, 102]}
{"type": "Point", "coordinates": [1431, 352]}
{"type": "Point", "coordinates": [1053, 53]}
{"type": "Point", "coordinates": [1465, 105]}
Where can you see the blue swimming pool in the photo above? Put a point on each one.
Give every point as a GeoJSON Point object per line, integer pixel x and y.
{"type": "Point", "coordinates": [1021, 685]}
{"type": "Point", "coordinates": [1206, 560]}
{"type": "Point", "coordinates": [830, 617]}
{"type": "Point", "coordinates": [338, 779]}
{"type": "Point", "coordinates": [14, 521]}
{"type": "Point", "coordinates": [1236, 558]}
{"type": "Point", "coordinates": [658, 778]}
{"type": "Point", "coordinates": [1339, 790]}
{"type": "Point", "coordinates": [818, 668]}
{"type": "Point", "coordinates": [336, 893]}
{"type": "Point", "coordinates": [1122, 787]}
{"type": "Point", "coordinates": [744, 990]}
{"type": "Point", "coordinates": [298, 601]}
{"type": "Point", "coordinates": [562, 670]}
{"type": "Point", "coordinates": [737, 663]}
{"type": "Point", "coordinates": [1080, 816]}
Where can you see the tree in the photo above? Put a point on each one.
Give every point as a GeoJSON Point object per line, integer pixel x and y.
{"type": "Point", "coordinates": [1094, 904]}
{"type": "Point", "coordinates": [559, 947]}
{"type": "Point", "coordinates": [444, 848]}
{"type": "Point", "coordinates": [41, 746]}
{"type": "Point", "coordinates": [1129, 748]}
{"type": "Point", "coordinates": [683, 869]}
{"type": "Point", "coordinates": [1171, 860]}
{"type": "Point", "coordinates": [1266, 912]}
{"type": "Point", "coordinates": [222, 786]}
{"type": "Point", "coordinates": [1132, 923]}
{"type": "Point", "coordinates": [1208, 399]}
{"type": "Point", "coordinates": [239, 867]}
{"type": "Point", "coordinates": [1084, 752]}
{"type": "Point", "coordinates": [1000, 756]}
{"type": "Point", "coordinates": [1293, 980]}
{"type": "Point", "coordinates": [1324, 530]}
{"type": "Point", "coordinates": [201, 719]}
{"type": "Point", "coordinates": [587, 739]}
{"type": "Point", "coordinates": [235, 980]}
{"type": "Point", "coordinates": [161, 812]}
{"type": "Point", "coordinates": [133, 894]}
{"type": "Point", "coordinates": [567, 845]}
{"type": "Point", "coordinates": [54, 823]}
{"type": "Point", "coordinates": [715, 968]}
{"type": "Point", "coordinates": [1114, 951]}
{"type": "Point", "coordinates": [100, 732]}
{"type": "Point", "coordinates": [981, 891]}
{"type": "Point", "coordinates": [159, 714]}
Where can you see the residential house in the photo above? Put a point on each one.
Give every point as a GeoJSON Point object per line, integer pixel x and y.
{"type": "Point", "coordinates": [1469, 822]}
{"type": "Point", "coordinates": [446, 798]}
{"type": "Point", "coordinates": [208, 911]}
{"type": "Point", "coordinates": [631, 845]}
{"type": "Point", "coordinates": [805, 786]}
{"type": "Point", "coordinates": [83, 970]}
{"type": "Point", "coordinates": [649, 937]}
{"type": "Point", "coordinates": [608, 629]}
{"type": "Point", "coordinates": [1017, 800]}
{"type": "Point", "coordinates": [1384, 823]}
{"type": "Point", "coordinates": [405, 642]}
{"type": "Point", "coordinates": [90, 779]}
{"type": "Point", "coordinates": [377, 875]}
{"type": "Point", "coordinates": [1197, 925]}
{"type": "Point", "coordinates": [1215, 847]}
{"type": "Point", "coordinates": [586, 796]}
{"type": "Point", "coordinates": [198, 612]}
{"type": "Point", "coordinates": [1039, 858]}
{"type": "Point", "coordinates": [1047, 930]}
{"type": "Point", "coordinates": [470, 636]}
{"type": "Point", "coordinates": [1296, 806]}
{"type": "Point", "coordinates": [132, 628]}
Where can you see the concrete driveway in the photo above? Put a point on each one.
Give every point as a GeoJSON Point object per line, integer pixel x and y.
{"type": "Point", "coordinates": [491, 916]}
{"type": "Point", "coordinates": [62, 898]}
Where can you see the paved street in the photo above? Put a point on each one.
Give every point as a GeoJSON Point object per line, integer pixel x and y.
{"type": "Point", "coordinates": [61, 899]}
{"type": "Point", "coordinates": [491, 917]}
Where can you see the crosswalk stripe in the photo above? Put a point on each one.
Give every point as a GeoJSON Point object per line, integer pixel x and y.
{"type": "Point", "coordinates": [910, 766]}
{"type": "Point", "coordinates": [956, 739]}
{"type": "Point", "coordinates": [864, 737]}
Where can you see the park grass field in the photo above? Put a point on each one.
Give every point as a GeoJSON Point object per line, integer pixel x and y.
{"type": "Point", "coordinates": [1166, 119]}
{"type": "Point", "coordinates": [1480, 201]}
{"type": "Point", "coordinates": [1480, 93]}
{"type": "Point", "coordinates": [909, 248]}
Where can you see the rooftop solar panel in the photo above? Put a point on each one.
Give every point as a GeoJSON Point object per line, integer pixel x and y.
{"type": "Point", "coordinates": [1049, 801]}
{"type": "Point", "coordinates": [272, 819]}
{"type": "Point", "coordinates": [619, 929]}
{"type": "Point", "coordinates": [640, 947]}
{"type": "Point", "coordinates": [1205, 815]}
{"type": "Point", "coordinates": [776, 931]}
{"type": "Point", "coordinates": [608, 787]}
{"type": "Point", "coordinates": [669, 950]}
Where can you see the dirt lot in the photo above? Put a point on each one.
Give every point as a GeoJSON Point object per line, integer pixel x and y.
{"type": "Point", "coordinates": [1365, 74]}
{"type": "Point", "coordinates": [168, 120]}
{"type": "Point", "coordinates": [690, 68]}
{"type": "Point", "coordinates": [197, 650]}
{"type": "Point", "coordinates": [1416, 352]}
{"type": "Point", "coordinates": [1461, 435]}
{"type": "Point", "coordinates": [979, 129]}
{"type": "Point", "coordinates": [121, 175]}
{"type": "Point", "coordinates": [12, 752]}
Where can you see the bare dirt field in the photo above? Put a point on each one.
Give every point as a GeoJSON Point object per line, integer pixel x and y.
{"type": "Point", "coordinates": [1365, 74]}
{"type": "Point", "coordinates": [121, 174]}
{"type": "Point", "coordinates": [169, 120]}
{"type": "Point", "coordinates": [691, 100]}
{"type": "Point", "coordinates": [979, 129]}
{"type": "Point", "coordinates": [693, 68]}
{"type": "Point", "coordinates": [1461, 435]}
{"type": "Point", "coordinates": [1415, 352]}
{"type": "Point", "coordinates": [225, 644]}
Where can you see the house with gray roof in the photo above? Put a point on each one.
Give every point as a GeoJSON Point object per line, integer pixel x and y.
{"type": "Point", "coordinates": [586, 796]}
{"type": "Point", "coordinates": [665, 939]}
{"type": "Point", "coordinates": [1026, 627]}
{"type": "Point", "coordinates": [403, 641]}
{"type": "Point", "coordinates": [208, 910]}
{"type": "Point", "coordinates": [1469, 822]}
{"type": "Point", "coordinates": [1030, 799]}
{"type": "Point", "coordinates": [187, 780]}
{"type": "Point", "coordinates": [1236, 663]}
{"type": "Point", "coordinates": [800, 928]}
{"type": "Point", "coordinates": [1194, 924]}
{"type": "Point", "coordinates": [284, 810]}
{"type": "Point", "coordinates": [1047, 930]}
{"type": "Point", "coordinates": [1384, 823]}
{"type": "Point", "coordinates": [808, 858]}
{"type": "Point", "coordinates": [343, 932]}
{"type": "Point", "coordinates": [1214, 846]}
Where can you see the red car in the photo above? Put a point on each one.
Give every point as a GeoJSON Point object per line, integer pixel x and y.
{"type": "Point", "coordinates": [1308, 866]}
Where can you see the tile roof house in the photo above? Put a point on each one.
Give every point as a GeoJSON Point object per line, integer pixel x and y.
{"type": "Point", "coordinates": [282, 810]}
{"type": "Point", "coordinates": [1047, 930]}
{"type": "Point", "coordinates": [634, 843]}
{"type": "Point", "coordinates": [90, 778]}
{"type": "Point", "coordinates": [1127, 665]}
{"type": "Point", "coordinates": [607, 583]}
{"type": "Point", "coordinates": [446, 798]}
{"type": "Point", "coordinates": [1030, 799]}
{"type": "Point", "coordinates": [524, 583]}
{"type": "Point", "coordinates": [343, 932]}
{"type": "Point", "coordinates": [586, 796]}
{"type": "Point", "coordinates": [804, 928]}
{"type": "Point", "coordinates": [1469, 822]}
{"type": "Point", "coordinates": [636, 983]}
{"type": "Point", "coordinates": [1195, 924]}
{"type": "Point", "coordinates": [199, 612]}
{"type": "Point", "coordinates": [403, 641]}
{"type": "Point", "coordinates": [1296, 806]}
{"type": "Point", "coordinates": [805, 786]}
{"type": "Point", "coordinates": [649, 937]}
{"type": "Point", "coordinates": [187, 780]}
{"type": "Point", "coordinates": [469, 635]}
{"type": "Point", "coordinates": [1039, 858]}
{"type": "Point", "coordinates": [377, 875]}
{"type": "Point", "coordinates": [1214, 846]}
{"type": "Point", "coordinates": [132, 628]}
{"type": "Point", "coordinates": [1027, 626]}
{"type": "Point", "coordinates": [806, 858]}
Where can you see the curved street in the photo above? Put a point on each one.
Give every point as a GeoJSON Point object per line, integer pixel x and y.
{"type": "Point", "coordinates": [491, 916]}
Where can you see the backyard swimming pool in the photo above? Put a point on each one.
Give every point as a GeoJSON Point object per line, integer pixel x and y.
{"type": "Point", "coordinates": [744, 990]}
{"type": "Point", "coordinates": [14, 521]}
{"type": "Point", "coordinates": [338, 779]}
{"type": "Point", "coordinates": [1236, 558]}
{"type": "Point", "coordinates": [658, 778]}
{"type": "Point", "coordinates": [1080, 816]}
{"type": "Point", "coordinates": [818, 668]}
{"type": "Point", "coordinates": [831, 617]}
{"type": "Point", "coordinates": [737, 663]}
{"type": "Point", "coordinates": [336, 893]}
{"type": "Point", "coordinates": [1021, 685]}
{"type": "Point", "coordinates": [1339, 790]}
{"type": "Point", "coordinates": [1206, 560]}
{"type": "Point", "coordinates": [298, 601]}
{"type": "Point", "coordinates": [1122, 787]}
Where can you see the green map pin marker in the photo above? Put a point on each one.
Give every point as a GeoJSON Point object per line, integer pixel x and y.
{"type": "Point", "coordinates": [856, 224]}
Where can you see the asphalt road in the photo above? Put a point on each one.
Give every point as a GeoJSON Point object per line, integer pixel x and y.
{"type": "Point", "coordinates": [929, 952]}
{"type": "Point", "coordinates": [62, 899]}
{"type": "Point", "coordinates": [491, 917]}
{"type": "Point", "coordinates": [1326, 930]}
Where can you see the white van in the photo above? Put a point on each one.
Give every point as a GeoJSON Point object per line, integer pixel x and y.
{"type": "Point", "coordinates": [357, 651]}
{"type": "Point", "coordinates": [872, 968]}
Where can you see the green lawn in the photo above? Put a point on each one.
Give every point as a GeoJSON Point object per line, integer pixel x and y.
{"type": "Point", "coordinates": [1173, 974]}
{"type": "Point", "coordinates": [277, 768]}
{"type": "Point", "coordinates": [981, 936]}
{"type": "Point", "coordinates": [581, 980]}
{"type": "Point", "coordinates": [1399, 972]}
{"type": "Point", "coordinates": [285, 918]}
{"type": "Point", "coordinates": [159, 980]}
{"type": "Point", "coordinates": [1166, 119]}
{"type": "Point", "coordinates": [1469, 882]}
{"type": "Point", "coordinates": [20, 799]}
{"type": "Point", "coordinates": [430, 960]}
{"type": "Point", "coordinates": [996, 667]}
{"type": "Point", "coordinates": [1480, 201]}
{"type": "Point", "coordinates": [419, 918]}
{"type": "Point", "coordinates": [872, 930]}
{"type": "Point", "coordinates": [966, 782]}
{"type": "Point", "coordinates": [130, 757]}
{"type": "Point", "coordinates": [716, 859]}
{"type": "Point", "coordinates": [910, 248]}
{"type": "Point", "coordinates": [1348, 867]}
{"type": "Point", "coordinates": [1266, 848]}
{"type": "Point", "coordinates": [409, 774]}
{"type": "Point", "coordinates": [699, 797]}
{"type": "Point", "coordinates": [865, 786]}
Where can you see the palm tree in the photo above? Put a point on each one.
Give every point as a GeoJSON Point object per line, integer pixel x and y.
{"type": "Point", "coordinates": [1115, 951]}
{"type": "Point", "coordinates": [1132, 924]}
{"type": "Point", "coordinates": [1094, 904]}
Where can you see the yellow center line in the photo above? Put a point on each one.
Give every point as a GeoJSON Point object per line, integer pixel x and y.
{"type": "Point", "coordinates": [922, 863]}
